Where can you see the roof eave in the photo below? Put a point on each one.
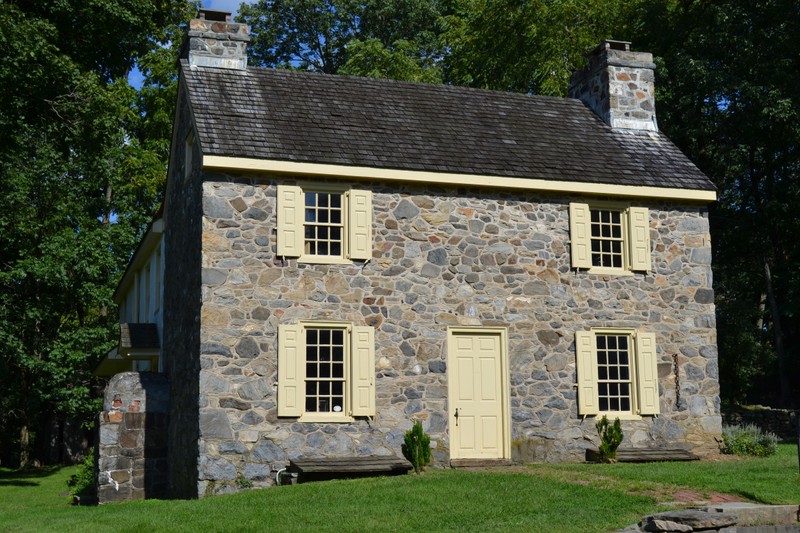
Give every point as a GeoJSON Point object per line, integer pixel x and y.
{"type": "Point", "coordinates": [317, 170]}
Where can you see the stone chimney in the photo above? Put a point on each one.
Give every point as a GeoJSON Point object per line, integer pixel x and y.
{"type": "Point", "coordinates": [617, 85]}
{"type": "Point", "coordinates": [215, 41]}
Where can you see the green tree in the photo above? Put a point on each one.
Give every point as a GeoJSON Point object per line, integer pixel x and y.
{"type": "Point", "coordinates": [382, 38]}
{"type": "Point", "coordinates": [82, 168]}
{"type": "Point", "coordinates": [530, 46]}
{"type": "Point", "coordinates": [729, 95]}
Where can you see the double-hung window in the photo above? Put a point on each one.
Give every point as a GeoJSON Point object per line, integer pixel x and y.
{"type": "Point", "coordinates": [326, 371]}
{"type": "Point", "coordinates": [609, 238]}
{"type": "Point", "coordinates": [324, 223]}
{"type": "Point", "coordinates": [617, 372]}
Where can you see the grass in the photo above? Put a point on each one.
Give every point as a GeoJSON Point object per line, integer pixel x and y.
{"type": "Point", "coordinates": [773, 480]}
{"type": "Point", "coordinates": [537, 498]}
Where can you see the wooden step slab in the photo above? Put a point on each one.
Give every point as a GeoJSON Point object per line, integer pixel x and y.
{"type": "Point", "coordinates": [344, 465]}
{"type": "Point", "coordinates": [645, 455]}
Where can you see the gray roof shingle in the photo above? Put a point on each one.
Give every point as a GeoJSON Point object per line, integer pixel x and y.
{"type": "Point", "coordinates": [316, 118]}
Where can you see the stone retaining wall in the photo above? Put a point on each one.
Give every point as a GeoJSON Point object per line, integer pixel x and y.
{"type": "Point", "coordinates": [132, 447]}
{"type": "Point", "coordinates": [442, 258]}
{"type": "Point", "coordinates": [781, 422]}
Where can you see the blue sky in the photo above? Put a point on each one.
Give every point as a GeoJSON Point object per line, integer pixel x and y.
{"type": "Point", "coordinates": [224, 5]}
{"type": "Point", "coordinates": [232, 6]}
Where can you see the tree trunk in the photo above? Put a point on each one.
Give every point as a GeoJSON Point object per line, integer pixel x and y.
{"type": "Point", "coordinates": [786, 397]}
{"type": "Point", "coordinates": [24, 444]}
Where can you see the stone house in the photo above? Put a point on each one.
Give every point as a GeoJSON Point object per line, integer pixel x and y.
{"type": "Point", "coordinates": [345, 255]}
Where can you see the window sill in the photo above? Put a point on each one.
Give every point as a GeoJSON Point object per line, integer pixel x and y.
{"type": "Point", "coordinates": [328, 418]}
{"type": "Point", "coordinates": [324, 260]}
{"type": "Point", "coordinates": [610, 271]}
{"type": "Point", "coordinates": [622, 416]}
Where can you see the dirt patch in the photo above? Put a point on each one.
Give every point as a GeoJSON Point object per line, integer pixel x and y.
{"type": "Point", "coordinates": [681, 497]}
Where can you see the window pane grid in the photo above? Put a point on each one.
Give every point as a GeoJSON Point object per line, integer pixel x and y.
{"type": "Point", "coordinates": [607, 238]}
{"type": "Point", "coordinates": [614, 372]}
{"type": "Point", "coordinates": [324, 223]}
{"type": "Point", "coordinates": [325, 349]}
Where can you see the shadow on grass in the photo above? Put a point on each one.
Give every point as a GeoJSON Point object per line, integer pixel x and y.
{"type": "Point", "coordinates": [750, 496]}
{"type": "Point", "coordinates": [24, 477]}
{"type": "Point", "coordinates": [18, 483]}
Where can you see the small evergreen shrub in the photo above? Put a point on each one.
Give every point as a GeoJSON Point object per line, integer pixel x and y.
{"type": "Point", "coordinates": [610, 439]}
{"type": "Point", "coordinates": [417, 447]}
{"type": "Point", "coordinates": [748, 440]}
{"type": "Point", "coordinates": [82, 482]}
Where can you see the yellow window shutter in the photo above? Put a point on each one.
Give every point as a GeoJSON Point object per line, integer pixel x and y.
{"type": "Point", "coordinates": [291, 370]}
{"type": "Point", "coordinates": [360, 225]}
{"type": "Point", "coordinates": [586, 362]}
{"type": "Point", "coordinates": [639, 224]}
{"type": "Point", "coordinates": [580, 235]}
{"type": "Point", "coordinates": [291, 213]}
{"type": "Point", "coordinates": [363, 371]}
{"type": "Point", "coordinates": [647, 371]}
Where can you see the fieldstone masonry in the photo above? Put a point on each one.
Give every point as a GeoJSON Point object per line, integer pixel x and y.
{"type": "Point", "coordinates": [132, 444]}
{"type": "Point", "coordinates": [781, 422]}
{"type": "Point", "coordinates": [618, 85]}
{"type": "Point", "coordinates": [442, 258]}
{"type": "Point", "coordinates": [215, 41]}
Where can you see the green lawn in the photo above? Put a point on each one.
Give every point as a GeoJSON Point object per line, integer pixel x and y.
{"type": "Point", "coordinates": [537, 498]}
{"type": "Point", "coordinates": [773, 480]}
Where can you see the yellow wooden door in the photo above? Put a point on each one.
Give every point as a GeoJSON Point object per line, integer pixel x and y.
{"type": "Point", "coordinates": [476, 396]}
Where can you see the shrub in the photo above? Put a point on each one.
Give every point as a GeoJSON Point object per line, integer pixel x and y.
{"type": "Point", "coordinates": [82, 482]}
{"type": "Point", "coordinates": [610, 439]}
{"type": "Point", "coordinates": [748, 440]}
{"type": "Point", "coordinates": [417, 447]}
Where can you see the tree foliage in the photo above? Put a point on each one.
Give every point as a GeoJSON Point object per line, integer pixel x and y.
{"type": "Point", "coordinates": [82, 164]}
{"type": "Point", "coordinates": [530, 46]}
{"type": "Point", "coordinates": [729, 95]}
{"type": "Point", "coordinates": [396, 39]}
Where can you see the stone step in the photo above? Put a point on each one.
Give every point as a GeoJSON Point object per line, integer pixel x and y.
{"type": "Point", "coordinates": [479, 463]}
{"type": "Point", "coordinates": [755, 514]}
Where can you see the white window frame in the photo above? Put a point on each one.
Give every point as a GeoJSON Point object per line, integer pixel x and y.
{"type": "Point", "coordinates": [635, 221]}
{"type": "Point", "coordinates": [642, 360]}
{"type": "Point", "coordinates": [356, 223]}
{"type": "Point", "coordinates": [359, 371]}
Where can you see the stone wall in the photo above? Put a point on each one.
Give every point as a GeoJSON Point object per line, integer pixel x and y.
{"type": "Point", "coordinates": [132, 446]}
{"type": "Point", "coordinates": [781, 422]}
{"type": "Point", "coordinates": [441, 258]}
{"type": "Point", "coordinates": [182, 293]}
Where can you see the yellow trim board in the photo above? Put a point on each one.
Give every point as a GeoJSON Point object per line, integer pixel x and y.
{"type": "Point", "coordinates": [317, 170]}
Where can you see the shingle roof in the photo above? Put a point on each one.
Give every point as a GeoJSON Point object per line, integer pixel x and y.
{"type": "Point", "coordinates": [317, 118]}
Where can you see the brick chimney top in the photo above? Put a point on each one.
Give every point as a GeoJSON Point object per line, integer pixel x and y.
{"type": "Point", "coordinates": [617, 85]}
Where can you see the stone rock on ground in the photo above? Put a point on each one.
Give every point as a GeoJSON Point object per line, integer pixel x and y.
{"type": "Point", "coordinates": [687, 520]}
